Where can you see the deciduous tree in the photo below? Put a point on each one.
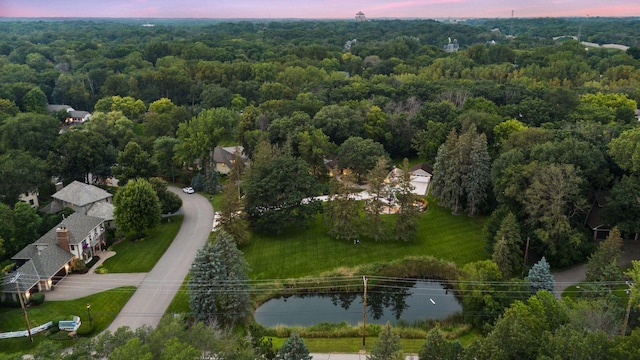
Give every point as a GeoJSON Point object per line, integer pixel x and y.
{"type": "Point", "coordinates": [551, 200]}
{"type": "Point", "coordinates": [169, 202]}
{"type": "Point", "coordinates": [623, 207]}
{"type": "Point", "coordinates": [274, 192]}
{"type": "Point", "coordinates": [137, 207]}
{"type": "Point", "coordinates": [31, 132]}
{"type": "Point", "coordinates": [21, 172]}
{"type": "Point", "coordinates": [26, 224]}
{"type": "Point", "coordinates": [133, 162]}
{"type": "Point", "coordinates": [436, 347]}
{"type": "Point", "coordinates": [360, 155]}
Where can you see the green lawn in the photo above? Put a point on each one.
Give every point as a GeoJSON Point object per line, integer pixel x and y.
{"type": "Point", "coordinates": [105, 307]}
{"type": "Point", "coordinates": [311, 252]}
{"type": "Point", "coordinates": [180, 302]}
{"type": "Point", "coordinates": [142, 255]}
{"type": "Point", "coordinates": [215, 200]}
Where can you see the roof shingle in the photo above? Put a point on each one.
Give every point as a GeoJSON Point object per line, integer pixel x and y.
{"type": "Point", "coordinates": [81, 194]}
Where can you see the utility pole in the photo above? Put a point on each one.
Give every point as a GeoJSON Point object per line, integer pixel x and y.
{"type": "Point", "coordinates": [24, 310]}
{"type": "Point", "coordinates": [364, 313]}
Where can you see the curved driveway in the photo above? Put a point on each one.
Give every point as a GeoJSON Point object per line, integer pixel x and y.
{"type": "Point", "coordinates": [153, 296]}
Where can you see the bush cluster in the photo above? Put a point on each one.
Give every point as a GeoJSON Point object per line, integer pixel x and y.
{"type": "Point", "coordinates": [36, 299]}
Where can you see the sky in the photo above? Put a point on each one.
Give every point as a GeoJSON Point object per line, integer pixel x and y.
{"type": "Point", "coordinates": [317, 9]}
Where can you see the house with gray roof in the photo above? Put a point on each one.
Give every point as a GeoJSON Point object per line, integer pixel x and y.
{"type": "Point", "coordinates": [46, 261]}
{"type": "Point", "coordinates": [85, 199]}
{"type": "Point", "coordinates": [55, 108]}
{"type": "Point", "coordinates": [73, 116]}
{"type": "Point", "coordinates": [77, 117]}
{"type": "Point", "coordinates": [224, 157]}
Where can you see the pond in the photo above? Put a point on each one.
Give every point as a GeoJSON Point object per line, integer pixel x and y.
{"type": "Point", "coordinates": [407, 301]}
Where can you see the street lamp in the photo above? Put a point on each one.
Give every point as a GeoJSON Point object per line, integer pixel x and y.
{"type": "Point", "coordinates": [89, 314]}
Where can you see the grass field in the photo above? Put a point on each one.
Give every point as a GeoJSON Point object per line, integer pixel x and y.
{"type": "Point", "coordinates": [142, 255]}
{"type": "Point", "coordinates": [105, 307]}
{"type": "Point", "coordinates": [311, 251]}
{"type": "Point", "coordinates": [353, 345]}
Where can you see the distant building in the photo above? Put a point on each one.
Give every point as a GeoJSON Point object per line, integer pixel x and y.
{"type": "Point", "coordinates": [31, 198]}
{"type": "Point", "coordinates": [452, 46]}
{"type": "Point", "coordinates": [360, 16]}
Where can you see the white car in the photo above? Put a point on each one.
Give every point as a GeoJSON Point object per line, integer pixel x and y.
{"type": "Point", "coordinates": [188, 190]}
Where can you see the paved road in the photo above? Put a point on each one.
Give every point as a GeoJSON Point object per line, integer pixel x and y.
{"type": "Point", "coordinates": [568, 277]}
{"type": "Point", "coordinates": [154, 294]}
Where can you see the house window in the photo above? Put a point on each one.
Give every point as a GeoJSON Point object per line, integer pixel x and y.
{"type": "Point", "coordinates": [72, 247]}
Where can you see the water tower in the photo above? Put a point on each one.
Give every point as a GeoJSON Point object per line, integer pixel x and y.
{"type": "Point", "coordinates": [360, 16]}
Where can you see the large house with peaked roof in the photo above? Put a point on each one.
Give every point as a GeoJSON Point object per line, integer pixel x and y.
{"type": "Point", "coordinates": [45, 262]}
{"type": "Point", "coordinates": [83, 198]}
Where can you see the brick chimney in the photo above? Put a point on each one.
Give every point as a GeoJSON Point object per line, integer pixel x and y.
{"type": "Point", "coordinates": [59, 186]}
{"type": "Point", "coordinates": [62, 234]}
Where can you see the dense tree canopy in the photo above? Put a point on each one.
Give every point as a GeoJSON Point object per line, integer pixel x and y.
{"type": "Point", "coordinates": [539, 128]}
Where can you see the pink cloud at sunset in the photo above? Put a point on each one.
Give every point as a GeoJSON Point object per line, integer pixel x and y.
{"type": "Point", "coordinates": [336, 9]}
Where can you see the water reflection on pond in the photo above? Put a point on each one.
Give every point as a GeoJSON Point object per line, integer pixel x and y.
{"type": "Point", "coordinates": [411, 301]}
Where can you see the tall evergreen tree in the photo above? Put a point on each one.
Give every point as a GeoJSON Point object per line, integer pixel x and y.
{"type": "Point", "coordinates": [476, 179]}
{"type": "Point", "coordinates": [294, 348]}
{"type": "Point", "coordinates": [507, 250]}
{"type": "Point", "coordinates": [387, 347]}
{"type": "Point", "coordinates": [540, 277]}
{"type": "Point", "coordinates": [446, 183]}
{"type": "Point", "coordinates": [374, 206]}
{"type": "Point", "coordinates": [603, 263]}
{"type": "Point", "coordinates": [341, 214]}
{"type": "Point", "coordinates": [461, 171]}
{"type": "Point", "coordinates": [231, 216]}
{"type": "Point", "coordinates": [408, 214]}
{"type": "Point", "coordinates": [218, 288]}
